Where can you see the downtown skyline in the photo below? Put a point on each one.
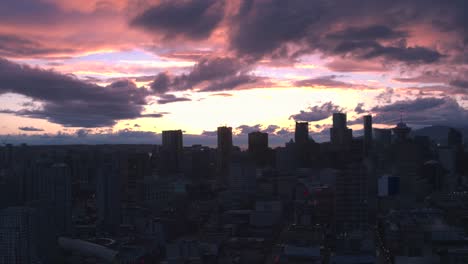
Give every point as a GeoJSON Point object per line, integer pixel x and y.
{"type": "Point", "coordinates": [129, 69]}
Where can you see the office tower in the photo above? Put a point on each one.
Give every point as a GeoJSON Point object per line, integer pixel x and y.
{"type": "Point", "coordinates": [401, 130]}
{"type": "Point", "coordinates": [455, 138]}
{"type": "Point", "coordinates": [198, 162]}
{"type": "Point", "coordinates": [17, 235]}
{"type": "Point", "coordinates": [242, 177]}
{"type": "Point", "coordinates": [367, 134]}
{"type": "Point", "coordinates": [224, 152]}
{"type": "Point", "coordinates": [60, 194]}
{"type": "Point", "coordinates": [258, 147]}
{"type": "Point", "coordinates": [108, 195]}
{"type": "Point", "coordinates": [301, 134]}
{"type": "Point", "coordinates": [383, 137]}
{"type": "Point", "coordinates": [172, 149]}
{"type": "Point", "coordinates": [138, 168]}
{"type": "Point", "coordinates": [48, 185]}
{"type": "Point", "coordinates": [352, 198]}
{"type": "Point", "coordinates": [258, 141]}
{"type": "Point", "coordinates": [340, 134]}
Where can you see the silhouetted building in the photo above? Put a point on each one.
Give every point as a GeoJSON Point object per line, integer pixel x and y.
{"type": "Point", "coordinates": [198, 162]}
{"type": "Point", "coordinates": [108, 196]}
{"type": "Point", "coordinates": [172, 148]}
{"type": "Point", "coordinates": [224, 152]}
{"type": "Point", "coordinates": [258, 147]}
{"type": "Point", "coordinates": [367, 134]}
{"type": "Point", "coordinates": [60, 194]}
{"type": "Point", "coordinates": [340, 134]}
{"type": "Point", "coordinates": [17, 239]}
{"type": "Point", "coordinates": [401, 131]}
{"type": "Point", "coordinates": [383, 137]}
{"type": "Point", "coordinates": [455, 138]}
{"type": "Point", "coordinates": [138, 168]}
{"type": "Point", "coordinates": [301, 134]}
{"type": "Point", "coordinates": [352, 201]}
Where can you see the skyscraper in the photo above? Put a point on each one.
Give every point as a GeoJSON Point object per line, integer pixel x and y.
{"type": "Point", "coordinates": [17, 241]}
{"type": "Point", "coordinates": [367, 134]}
{"type": "Point", "coordinates": [172, 148]}
{"type": "Point", "coordinates": [401, 131]}
{"type": "Point", "coordinates": [301, 134]}
{"type": "Point", "coordinates": [108, 195]}
{"type": "Point", "coordinates": [455, 138]}
{"type": "Point", "coordinates": [60, 192]}
{"type": "Point", "coordinates": [138, 169]}
{"type": "Point", "coordinates": [224, 152]}
{"type": "Point", "coordinates": [258, 147]}
{"type": "Point", "coordinates": [340, 134]}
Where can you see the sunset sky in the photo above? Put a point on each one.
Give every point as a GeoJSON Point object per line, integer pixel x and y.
{"type": "Point", "coordinates": [121, 70]}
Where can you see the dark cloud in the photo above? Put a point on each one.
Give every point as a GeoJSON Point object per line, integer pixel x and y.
{"type": "Point", "coordinates": [385, 96]}
{"type": "Point", "coordinates": [377, 30]}
{"type": "Point", "coordinates": [270, 129]}
{"type": "Point", "coordinates": [30, 129]}
{"type": "Point", "coordinates": [261, 27]}
{"type": "Point", "coordinates": [419, 104]}
{"type": "Point", "coordinates": [367, 33]}
{"type": "Point", "coordinates": [426, 77]}
{"type": "Point", "coordinates": [359, 108]}
{"type": "Point", "coordinates": [16, 46]}
{"type": "Point", "coordinates": [194, 19]}
{"type": "Point", "coordinates": [459, 83]}
{"type": "Point", "coordinates": [328, 81]}
{"type": "Point", "coordinates": [317, 113]}
{"type": "Point", "coordinates": [208, 75]}
{"type": "Point", "coordinates": [222, 94]}
{"type": "Point", "coordinates": [373, 49]}
{"type": "Point", "coordinates": [69, 101]}
{"type": "Point", "coordinates": [170, 98]}
{"type": "Point", "coordinates": [423, 112]}
{"type": "Point", "coordinates": [350, 65]}
{"type": "Point", "coordinates": [245, 129]}
{"type": "Point", "coordinates": [28, 11]}
{"type": "Point", "coordinates": [161, 83]}
{"type": "Point", "coordinates": [230, 83]}
{"type": "Point", "coordinates": [81, 133]}
{"type": "Point", "coordinates": [209, 133]}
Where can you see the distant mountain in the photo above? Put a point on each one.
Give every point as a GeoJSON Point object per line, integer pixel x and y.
{"type": "Point", "coordinates": [439, 133]}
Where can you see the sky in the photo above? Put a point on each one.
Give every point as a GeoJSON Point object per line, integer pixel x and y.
{"type": "Point", "coordinates": [122, 71]}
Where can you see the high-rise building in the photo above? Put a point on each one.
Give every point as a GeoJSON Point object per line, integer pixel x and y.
{"type": "Point", "coordinates": [383, 137]}
{"type": "Point", "coordinates": [60, 192]}
{"type": "Point", "coordinates": [242, 176]}
{"type": "Point", "coordinates": [301, 134]}
{"type": "Point", "coordinates": [455, 138]}
{"type": "Point", "coordinates": [401, 130]}
{"type": "Point", "coordinates": [51, 184]}
{"type": "Point", "coordinates": [224, 152]}
{"type": "Point", "coordinates": [172, 148]}
{"type": "Point", "coordinates": [258, 147]}
{"type": "Point", "coordinates": [258, 141]}
{"type": "Point", "coordinates": [108, 195]}
{"type": "Point", "coordinates": [367, 134]}
{"type": "Point", "coordinates": [340, 134]}
{"type": "Point", "coordinates": [352, 198]}
{"type": "Point", "coordinates": [17, 235]}
{"type": "Point", "coordinates": [138, 168]}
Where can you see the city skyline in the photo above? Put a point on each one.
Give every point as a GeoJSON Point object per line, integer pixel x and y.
{"type": "Point", "coordinates": [120, 69]}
